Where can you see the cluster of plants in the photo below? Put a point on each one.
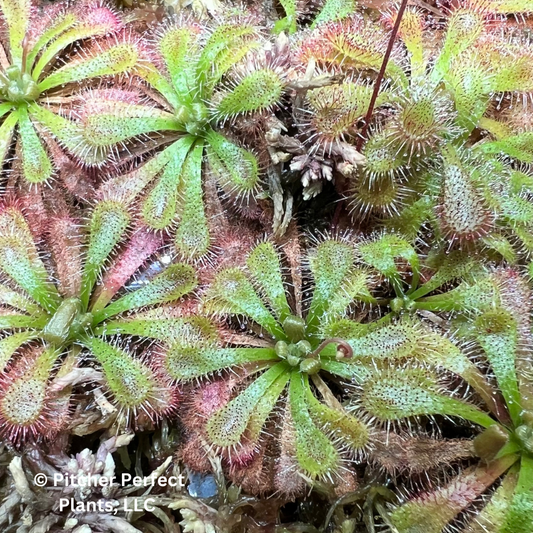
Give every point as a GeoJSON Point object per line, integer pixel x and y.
{"type": "Point", "coordinates": [281, 250]}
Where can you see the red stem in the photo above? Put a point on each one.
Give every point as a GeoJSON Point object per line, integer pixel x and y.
{"type": "Point", "coordinates": [381, 74]}
{"type": "Point", "coordinates": [377, 86]}
{"type": "Point", "coordinates": [343, 346]}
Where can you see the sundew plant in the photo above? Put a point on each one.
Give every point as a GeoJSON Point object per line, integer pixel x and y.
{"type": "Point", "coordinates": [183, 74]}
{"type": "Point", "coordinates": [445, 146]}
{"type": "Point", "coordinates": [41, 66]}
{"type": "Point", "coordinates": [501, 332]}
{"type": "Point", "coordinates": [290, 365]}
{"type": "Point", "coordinates": [299, 351]}
{"type": "Point", "coordinates": [53, 316]}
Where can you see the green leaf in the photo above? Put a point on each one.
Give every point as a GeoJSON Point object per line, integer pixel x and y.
{"type": "Point", "coordinates": [498, 129]}
{"type": "Point", "coordinates": [337, 424]}
{"type": "Point", "coordinates": [511, 6]}
{"type": "Point", "coordinates": [470, 85]}
{"type": "Point", "coordinates": [9, 345]}
{"type": "Point", "coordinates": [334, 10]}
{"type": "Point", "coordinates": [16, 14]}
{"type": "Point", "coordinates": [404, 339]}
{"type": "Point", "coordinates": [68, 133]}
{"type": "Point", "coordinates": [232, 293]}
{"type": "Point", "coordinates": [62, 21]}
{"type": "Point", "coordinates": [43, 365]}
{"type": "Point", "coordinates": [235, 168]}
{"type": "Point", "coordinates": [395, 393]}
{"type": "Point", "coordinates": [464, 27]}
{"type": "Point", "coordinates": [287, 23]}
{"type": "Point", "coordinates": [19, 301]}
{"type": "Point", "coordinates": [382, 255]}
{"type": "Point", "coordinates": [332, 266]}
{"type": "Point", "coordinates": [226, 46]}
{"type": "Point", "coordinates": [492, 516]}
{"type": "Point", "coordinates": [12, 321]}
{"type": "Point", "coordinates": [440, 352]}
{"type": "Point", "coordinates": [354, 289]}
{"type": "Point", "coordinates": [177, 280]}
{"type": "Point", "coordinates": [516, 210]}
{"type": "Point", "coordinates": [36, 164]}
{"type": "Point", "coordinates": [408, 340]}
{"type": "Point", "coordinates": [316, 454]}
{"type": "Point", "coordinates": [227, 426]}
{"type": "Point", "coordinates": [348, 369]}
{"type": "Point", "coordinates": [131, 184]}
{"type": "Point", "coordinates": [510, 68]}
{"type": "Point", "coordinates": [19, 259]}
{"type": "Point", "coordinates": [411, 33]}
{"type": "Point", "coordinates": [518, 147]}
{"type": "Point", "coordinates": [265, 406]}
{"type": "Point", "coordinates": [158, 323]}
{"type": "Point", "coordinates": [82, 30]}
{"type": "Point", "coordinates": [152, 75]}
{"type": "Point", "coordinates": [519, 517]}
{"type": "Point", "coordinates": [347, 102]}
{"type": "Point", "coordinates": [132, 383]}
{"type": "Point", "coordinates": [6, 130]}
{"type": "Point", "coordinates": [432, 512]}
{"type": "Point", "coordinates": [264, 265]}
{"type": "Point", "coordinates": [393, 341]}
{"type": "Point", "coordinates": [257, 91]}
{"type": "Point", "coordinates": [107, 228]}
{"type": "Point", "coordinates": [496, 332]}
{"type": "Point", "coordinates": [501, 245]}
{"type": "Point", "coordinates": [159, 206]}
{"type": "Point", "coordinates": [346, 329]}
{"type": "Point", "coordinates": [475, 296]}
{"type": "Point", "coordinates": [449, 267]}
{"type": "Point", "coordinates": [192, 236]}
{"type": "Point", "coordinates": [59, 327]}
{"type": "Point", "coordinates": [179, 46]}
{"type": "Point", "coordinates": [412, 217]}
{"type": "Point", "coordinates": [525, 237]}
{"type": "Point", "coordinates": [111, 122]}
{"type": "Point", "coordinates": [25, 402]}
{"type": "Point", "coordinates": [363, 50]}
{"type": "Point", "coordinates": [183, 363]}
{"type": "Point", "coordinates": [118, 59]}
